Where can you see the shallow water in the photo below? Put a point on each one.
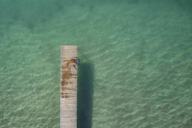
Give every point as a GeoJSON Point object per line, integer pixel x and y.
{"type": "Point", "coordinates": [135, 71]}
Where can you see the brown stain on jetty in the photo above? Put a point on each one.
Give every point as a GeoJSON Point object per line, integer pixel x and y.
{"type": "Point", "coordinates": [66, 75]}
{"type": "Point", "coordinates": [65, 95]}
{"type": "Point", "coordinates": [65, 88]}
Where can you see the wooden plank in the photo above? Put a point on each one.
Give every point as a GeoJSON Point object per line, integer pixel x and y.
{"type": "Point", "coordinates": [68, 88]}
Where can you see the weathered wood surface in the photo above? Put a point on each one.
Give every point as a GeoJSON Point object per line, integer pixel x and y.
{"type": "Point", "coordinates": [68, 90]}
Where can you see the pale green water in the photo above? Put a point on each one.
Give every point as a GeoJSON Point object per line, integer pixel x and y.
{"type": "Point", "coordinates": [136, 62]}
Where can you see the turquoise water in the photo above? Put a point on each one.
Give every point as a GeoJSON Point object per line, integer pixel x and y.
{"type": "Point", "coordinates": [136, 62]}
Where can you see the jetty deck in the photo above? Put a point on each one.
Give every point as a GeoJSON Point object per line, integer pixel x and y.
{"type": "Point", "coordinates": [68, 87]}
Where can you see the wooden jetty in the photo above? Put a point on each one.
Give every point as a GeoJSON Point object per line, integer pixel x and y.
{"type": "Point", "coordinates": [68, 88]}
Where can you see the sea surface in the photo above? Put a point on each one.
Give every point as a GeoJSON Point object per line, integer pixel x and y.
{"type": "Point", "coordinates": [136, 62]}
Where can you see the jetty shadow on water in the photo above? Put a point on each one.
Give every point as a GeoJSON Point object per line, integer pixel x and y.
{"type": "Point", "coordinates": [85, 95]}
